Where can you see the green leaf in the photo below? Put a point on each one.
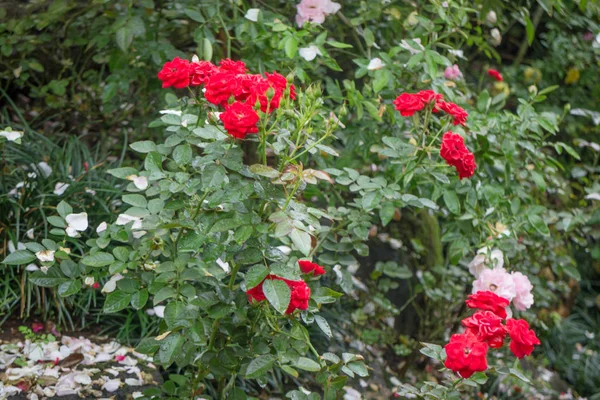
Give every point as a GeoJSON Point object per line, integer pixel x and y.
{"type": "Point", "coordinates": [291, 47]}
{"type": "Point", "coordinates": [194, 15]}
{"type": "Point", "coordinates": [441, 177]}
{"type": "Point", "coordinates": [324, 325]}
{"type": "Point", "coordinates": [386, 212]}
{"type": "Point", "coordinates": [170, 348]}
{"type": "Point", "coordinates": [164, 293]}
{"type": "Point", "coordinates": [98, 260]}
{"type": "Point", "coordinates": [538, 223]}
{"type": "Point", "coordinates": [69, 288]}
{"type": "Point", "coordinates": [182, 154]}
{"type": "Point", "coordinates": [121, 253]}
{"type": "Point", "coordinates": [122, 172]}
{"type": "Point", "coordinates": [136, 200]}
{"type": "Point", "coordinates": [260, 365]}
{"type": "Point", "coordinates": [290, 370]}
{"type": "Point", "coordinates": [153, 162]}
{"type": "Point", "coordinates": [255, 275]}
{"type": "Point", "coordinates": [264, 170]}
{"type": "Point", "coordinates": [278, 294]}
{"type": "Point", "coordinates": [571, 270]}
{"type": "Point", "coordinates": [359, 368]}
{"type": "Point", "coordinates": [144, 146]}
{"type": "Point", "coordinates": [302, 240]}
{"type": "Point", "coordinates": [148, 346]}
{"type": "Point", "coordinates": [70, 268]}
{"type": "Point", "coordinates": [19, 257]}
{"type": "Point", "coordinates": [64, 209]}
{"type": "Point", "coordinates": [530, 30]}
{"type": "Point", "coordinates": [307, 364]}
{"type": "Point", "coordinates": [214, 177]}
{"type": "Point", "coordinates": [515, 372]}
{"type": "Point", "coordinates": [452, 202]}
{"type": "Point", "coordinates": [56, 221]}
{"type": "Point", "coordinates": [225, 224]}
{"type": "Point", "coordinates": [432, 350]}
{"type": "Point", "coordinates": [139, 299]}
{"type": "Point", "coordinates": [116, 301]}
{"type": "Point", "coordinates": [50, 279]}
{"type": "Point", "coordinates": [124, 38]}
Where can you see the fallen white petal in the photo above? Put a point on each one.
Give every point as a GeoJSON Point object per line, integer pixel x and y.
{"type": "Point", "coordinates": [102, 227]}
{"type": "Point", "coordinates": [224, 265]}
{"type": "Point", "coordinates": [78, 222]}
{"type": "Point", "coordinates": [11, 135]}
{"type": "Point", "coordinates": [375, 64]}
{"type": "Point", "coordinates": [252, 14]}
{"type": "Point", "coordinates": [593, 196]}
{"type": "Point", "coordinates": [72, 232]}
{"type": "Point", "coordinates": [60, 188]}
{"type": "Point", "coordinates": [309, 53]}
{"type": "Point", "coordinates": [159, 311]}
{"type": "Point", "coordinates": [112, 385]}
{"type": "Point", "coordinates": [45, 255]}
{"type": "Point", "coordinates": [45, 169]}
{"type": "Point", "coordinates": [174, 112]}
{"type": "Point", "coordinates": [29, 234]}
{"type": "Point", "coordinates": [32, 267]}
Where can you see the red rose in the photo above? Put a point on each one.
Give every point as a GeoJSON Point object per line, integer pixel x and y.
{"type": "Point", "coordinates": [220, 87]}
{"type": "Point", "coordinates": [466, 355]}
{"type": "Point", "coordinates": [96, 285]}
{"type": "Point", "coordinates": [487, 326]}
{"type": "Point", "coordinates": [299, 293]}
{"type": "Point", "coordinates": [495, 74]}
{"type": "Point", "coordinates": [488, 301]}
{"type": "Point", "coordinates": [453, 147]}
{"type": "Point", "coordinates": [256, 293]}
{"type": "Point", "coordinates": [467, 167]}
{"type": "Point", "coordinates": [239, 119]}
{"type": "Point", "coordinates": [459, 113]}
{"type": "Point", "coordinates": [429, 96]}
{"type": "Point", "coordinates": [522, 339]}
{"type": "Point", "coordinates": [175, 73]}
{"type": "Point", "coordinates": [236, 67]}
{"type": "Point", "coordinates": [456, 154]}
{"type": "Point", "coordinates": [201, 71]}
{"type": "Point", "coordinates": [250, 88]}
{"type": "Point", "coordinates": [308, 267]}
{"type": "Point", "coordinates": [408, 104]}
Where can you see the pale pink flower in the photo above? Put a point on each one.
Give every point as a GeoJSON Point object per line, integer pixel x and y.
{"type": "Point", "coordinates": [452, 73]}
{"type": "Point", "coordinates": [523, 298]}
{"type": "Point", "coordinates": [496, 280]}
{"type": "Point", "coordinates": [486, 259]}
{"type": "Point", "coordinates": [315, 11]}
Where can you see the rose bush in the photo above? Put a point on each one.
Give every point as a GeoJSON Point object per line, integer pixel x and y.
{"type": "Point", "coordinates": [445, 176]}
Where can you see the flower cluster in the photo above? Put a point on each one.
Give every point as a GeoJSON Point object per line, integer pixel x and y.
{"type": "Point", "coordinates": [409, 103]}
{"type": "Point", "coordinates": [466, 353]}
{"type": "Point", "coordinates": [230, 86]}
{"type": "Point", "coordinates": [515, 287]}
{"type": "Point", "coordinates": [456, 154]}
{"type": "Point", "coordinates": [299, 290]}
{"type": "Point", "coordinates": [315, 11]}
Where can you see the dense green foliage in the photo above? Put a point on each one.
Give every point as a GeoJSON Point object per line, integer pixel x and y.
{"type": "Point", "coordinates": [395, 227]}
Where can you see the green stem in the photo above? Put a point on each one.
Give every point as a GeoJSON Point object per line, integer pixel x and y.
{"type": "Point", "coordinates": [234, 272]}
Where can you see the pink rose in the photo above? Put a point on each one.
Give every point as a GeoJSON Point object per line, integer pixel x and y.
{"type": "Point", "coordinates": [315, 11]}
{"type": "Point", "coordinates": [452, 73]}
{"type": "Point", "coordinates": [523, 298]}
{"type": "Point", "coordinates": [496, 280]}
